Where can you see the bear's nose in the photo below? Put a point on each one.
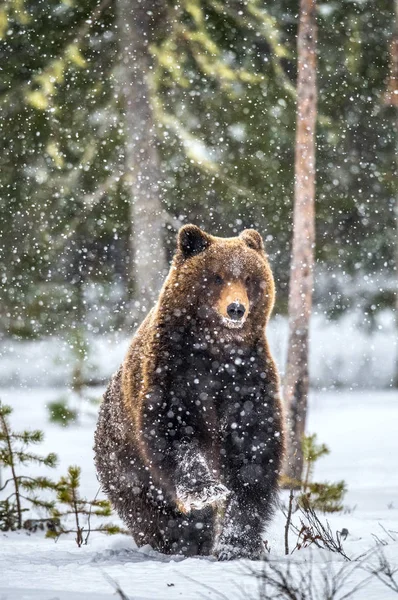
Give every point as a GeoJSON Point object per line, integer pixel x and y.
{"type": "Point", "coordinates": [235, 311]}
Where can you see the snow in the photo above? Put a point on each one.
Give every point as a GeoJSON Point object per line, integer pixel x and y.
{"type": "Point", "coordinates": [360, 429]}
{"type": "Point", "coordinates": [343, 353]}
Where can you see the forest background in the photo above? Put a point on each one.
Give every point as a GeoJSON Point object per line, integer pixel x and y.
{"type": "Point", "coordinates": [222, 81]}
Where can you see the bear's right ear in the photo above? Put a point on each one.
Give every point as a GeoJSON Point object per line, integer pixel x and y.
{"type": "Point", "coordinates": [192, 240]}
{"type": "Point", "coordinates": [252, 238]}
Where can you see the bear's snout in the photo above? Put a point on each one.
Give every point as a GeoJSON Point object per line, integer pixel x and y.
{"type": "Point", "coordinates": [233, 303]}
{"type": "Point", "coordinates": [236, 311]}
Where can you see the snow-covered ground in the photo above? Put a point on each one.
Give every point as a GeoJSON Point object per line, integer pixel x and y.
{"type": "Point", "coordinates": [359, 427]}
{"type": "Point", "coordinates": [343, 353]}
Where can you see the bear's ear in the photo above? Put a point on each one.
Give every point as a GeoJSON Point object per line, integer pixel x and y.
{"type": "Point", "coordinates": [252, 239]}
{"type": "Point", "coordinates": [192, 240]}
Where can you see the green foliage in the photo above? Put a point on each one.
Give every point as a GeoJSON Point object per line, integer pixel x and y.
{"type": "Point", "coordinates": [76, 352]}
{"type": "Point", "coordinates": [223, 82]}
{"type": "Point", "coordinates": [325, 497]}
{"type": "Point", "coordinates": [311, 453]}
{"type": "Point", "coordinates": [78, 509]}
{"type": "Point", "coordinates": [9, 515]}
{"type": "Point", "coordinates": [21, 490]}
{"type": "Point", "coordinates": [61, 414]}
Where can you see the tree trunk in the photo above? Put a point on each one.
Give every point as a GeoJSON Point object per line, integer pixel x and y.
{"type": "Point", "coordinates": [137, 23]}
{"type": "Point", "coordinates": [396, 241]}
{"type": "Point", "coordinates": [301, 273]}
{"type": "Point", "coordinates": [391, 98]}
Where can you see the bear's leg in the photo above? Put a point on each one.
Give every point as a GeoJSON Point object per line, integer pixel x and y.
{"type": "Point", "coordinates": [141, 514]}
{"type": "Point", "coordinates": [248, 510]}
{"type": "Point", "coordinates": [163, 527]}
{"type": "Point", "coordinates": [197, 486]}
{"type": "Point", "coordinates": [190, 535]}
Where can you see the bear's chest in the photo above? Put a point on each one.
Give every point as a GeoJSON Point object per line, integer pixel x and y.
{"type": "Point", "coordinates": [224, 388]}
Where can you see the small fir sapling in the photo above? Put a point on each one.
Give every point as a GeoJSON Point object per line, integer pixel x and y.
{"type": "Point", "coordinates": [20, 491]}
{"type": "Point", "coordinates": [8, 516]}
{"type": "Point", "coordinates": [79, 510]}
{"type": "Point", "coordinates": [312, 451]}
{"type": "Point", "coordinates": [312, 497]}
{"type": "Point", "coordinates": [61, 413]}
{"type": "Point", "coordinates": [325, 497]}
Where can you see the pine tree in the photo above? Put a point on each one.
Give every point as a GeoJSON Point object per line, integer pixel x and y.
{"type": "Point", "coordinates": [312, 451]}
{"type": "Point", "coordinates": [325, 496]}
{"type": "Point", "coordinates": [80, 509]}
{"type": "Point", "coordinates": [21, 490]}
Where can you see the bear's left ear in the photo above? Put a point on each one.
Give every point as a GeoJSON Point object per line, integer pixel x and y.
{"type": "Point", "coordinates": [252, 239]}
{"type": "Point", "coordinates": [192, 240]}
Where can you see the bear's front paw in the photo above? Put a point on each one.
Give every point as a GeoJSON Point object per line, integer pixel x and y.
{"type": "Point", "coordinates": [213, 493]}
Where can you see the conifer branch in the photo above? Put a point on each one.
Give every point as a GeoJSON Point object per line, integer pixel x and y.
{"type": "Point", "coordinates": [255, 19]}
{"type": "Point", "coordinates": [79, 507]}
{"type": "Point", "coordinates": [13, 453]}
{"type": "Point", "coordinates": [7, 437]}
{"type": "Point", "coordinates": [203, 163]}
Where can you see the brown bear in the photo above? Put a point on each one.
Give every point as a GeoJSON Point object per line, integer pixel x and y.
{"type": "Point", "coordinates": [189, 441]}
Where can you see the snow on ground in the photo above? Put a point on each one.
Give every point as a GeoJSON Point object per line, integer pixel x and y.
{"type": "Point", "coordinates": [343, 353]}
{"type": "Point", "coordinates": [359, 427]}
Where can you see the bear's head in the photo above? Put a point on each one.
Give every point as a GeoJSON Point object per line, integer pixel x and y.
{"type": "Point", "coordinates": [221, 285]}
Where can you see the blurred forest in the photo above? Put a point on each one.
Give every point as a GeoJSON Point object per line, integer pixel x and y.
{"type": "Point", "coordinates": [221, 80]}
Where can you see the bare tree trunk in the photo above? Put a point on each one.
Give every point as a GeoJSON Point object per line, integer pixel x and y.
{"type": "Point", "coordinates": [137, 23]}
{"type": "Point", "coordinates": [301, 273]}
{"type": "Point", "coordinates": [391, 98]}
{"type": "Point", "coordinates": [396, 231]}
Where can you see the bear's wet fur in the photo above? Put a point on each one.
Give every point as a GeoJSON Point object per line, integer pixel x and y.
{"type": "Point", "coordinates": [189, 442]}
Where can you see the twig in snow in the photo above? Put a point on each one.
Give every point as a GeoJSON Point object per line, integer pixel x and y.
{"type": "Point", "coordinates": [207, 587]}
{"type": "Point", "coordinates": [292, 580]}
{"type": "Point", "coordinates": [388, 532]}
{"type": "Point", "coordinates": [288, 521]}
{"type": "Point", "coordinates": [116, 587]}
{"type": "Point", "coordinates": [89, 518]}
{"type": "Point", "coordinates": [313, 531]}
{"type": "Point", "coordinates": [384, 571]}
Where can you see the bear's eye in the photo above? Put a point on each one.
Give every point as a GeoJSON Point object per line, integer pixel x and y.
{"type": "Point", "coordinates": [248, 280]}
{"type": "Point", "coordinates": [218, 279]}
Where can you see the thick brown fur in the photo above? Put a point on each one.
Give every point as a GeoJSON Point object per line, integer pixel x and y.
{"type": "Point", "coordinates": [189, 441]}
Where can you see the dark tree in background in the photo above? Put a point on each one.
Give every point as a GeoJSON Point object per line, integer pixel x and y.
{"type": "Point", "coordinates": [301, 274]}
